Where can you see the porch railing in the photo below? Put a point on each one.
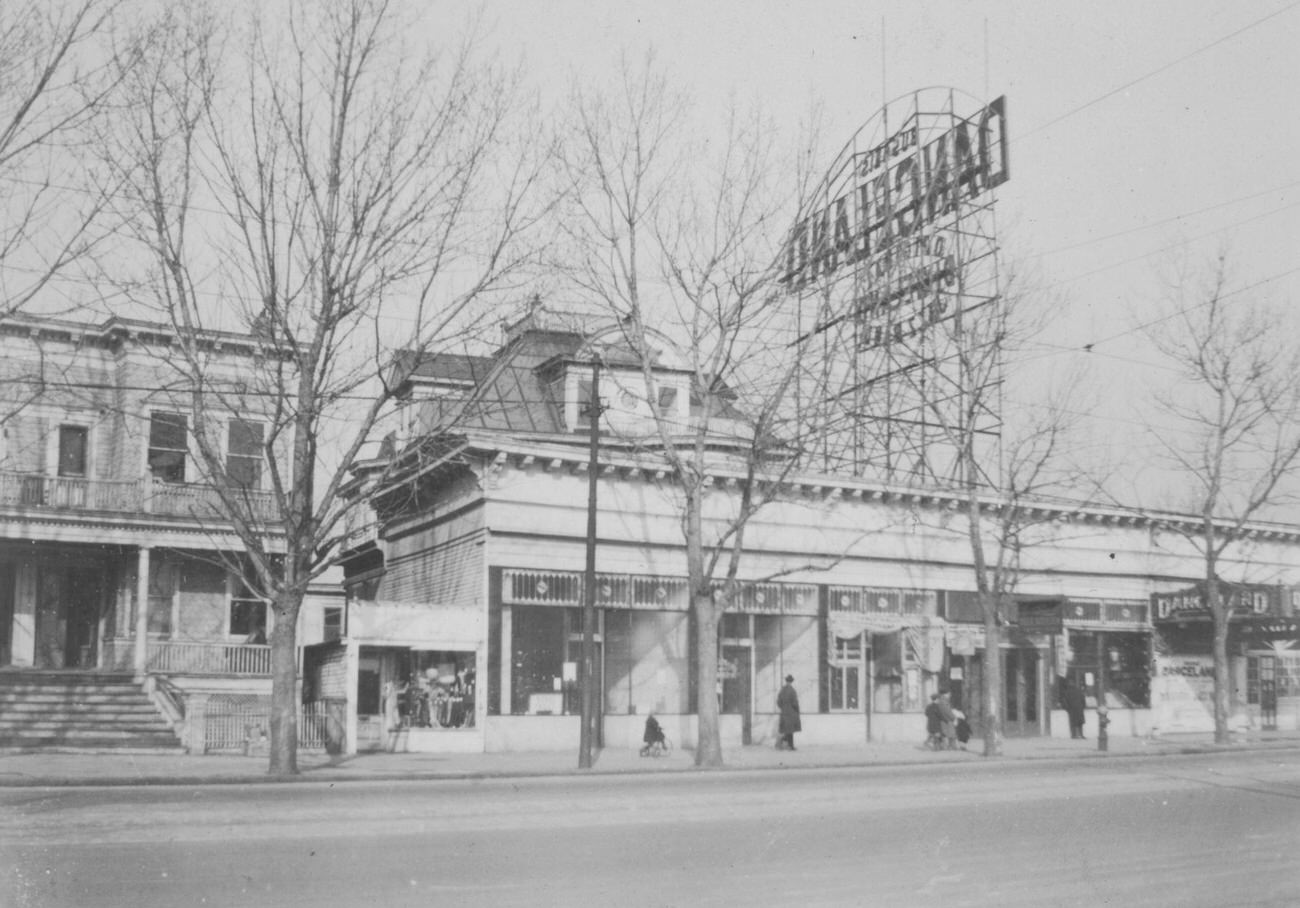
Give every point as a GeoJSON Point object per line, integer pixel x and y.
{"type": "Point", "coordinates": [133, 496]}
{"type": "Point", "coordinates": [186, 658]}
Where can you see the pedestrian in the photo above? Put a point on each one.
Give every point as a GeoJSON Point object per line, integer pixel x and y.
{"type": "Point", "coordinates": [963, 728]}
{"type": "Point", "coordinates": [787, 701]}
{"type": "Point", "coordinates": [947, 721]}
{"type": "Point", "coordinates": [933, 724]}
{"type": "Point", "coordinates": [1072, 700]}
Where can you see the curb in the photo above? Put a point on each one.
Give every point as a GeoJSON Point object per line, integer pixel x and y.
{"type": "Point", "coordinates": [325, 775]}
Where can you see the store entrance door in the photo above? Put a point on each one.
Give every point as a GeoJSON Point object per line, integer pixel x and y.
{"type": "Point", "coordinates": [1021, 673]}
{"type": "Point", "coordinates": [737, 687]}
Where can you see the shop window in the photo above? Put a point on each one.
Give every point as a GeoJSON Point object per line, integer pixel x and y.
{"type": "Point", "coordinates": [1113, 661]}
{"type": "Point", "coordinates": [168, 446]}
{"type": "Point", "coordinates": [646, 662]}
{"type": "Point", "coordinates": [537, 675]}
{"type": "Point", "coordinates": [244, 453]}
{"type": "Point", "coordinates": [439, 690]}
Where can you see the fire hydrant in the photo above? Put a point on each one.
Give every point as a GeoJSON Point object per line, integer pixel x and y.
{"type": "Point", "coordinates": [1103, 719]}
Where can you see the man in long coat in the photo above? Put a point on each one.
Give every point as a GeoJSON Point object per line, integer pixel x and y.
{"type": "Point", "coordinates": [787, 701]}
{"type": "Point", "coordinates": [1073, 700]}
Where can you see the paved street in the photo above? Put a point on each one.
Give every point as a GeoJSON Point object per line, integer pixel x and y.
{"type": "Point", "coordinates": [1212, 830]}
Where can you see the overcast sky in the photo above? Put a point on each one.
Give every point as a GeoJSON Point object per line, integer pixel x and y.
{"type": "Point", "coordinates": [1135, 128]}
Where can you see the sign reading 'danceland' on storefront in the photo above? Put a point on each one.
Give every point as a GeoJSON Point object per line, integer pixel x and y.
{"type": "Point", "coordinates": [1182, 693]}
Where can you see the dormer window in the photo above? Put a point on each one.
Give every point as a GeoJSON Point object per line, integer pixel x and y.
{"type": "Point", "coordinates": [667, 399]}
{"type": "Point", "coordinates": [584, 404]}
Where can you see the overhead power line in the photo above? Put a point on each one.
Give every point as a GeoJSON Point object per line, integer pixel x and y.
{"type": "Point", "coordinates": [1160, 69]}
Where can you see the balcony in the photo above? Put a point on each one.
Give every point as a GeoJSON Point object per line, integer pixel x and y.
{"type": "Point", "coordinates": [137, 496]}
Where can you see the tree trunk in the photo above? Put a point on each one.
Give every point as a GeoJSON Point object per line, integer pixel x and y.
{"type": "Point", "coordinates": [1222, 679]}
{"type": "Point", "coordinates": [991, 695]}
{"type": "Point", "coordinates": [284, 687]}
{"type": "Point", "coordinates": [708, 749]}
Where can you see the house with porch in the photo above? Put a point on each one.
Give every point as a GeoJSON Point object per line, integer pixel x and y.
{"type": "Point", "coordinates": [120, 579]}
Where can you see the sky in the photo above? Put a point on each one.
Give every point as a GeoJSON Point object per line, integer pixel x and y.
{"type": "Point", "coordinates": [1136, 130]}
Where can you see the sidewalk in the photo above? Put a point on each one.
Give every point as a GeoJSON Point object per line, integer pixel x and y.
{"type": "Point", "coordinates": [79, 769]}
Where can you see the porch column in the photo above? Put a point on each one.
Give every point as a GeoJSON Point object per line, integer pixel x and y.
{"type": "Point", "coordinates": [141, 610]}
{"type": "Point", "coordinates": [23, 631]}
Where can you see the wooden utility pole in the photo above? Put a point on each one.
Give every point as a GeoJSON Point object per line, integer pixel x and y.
{"type": "Point", "coordinates": [588, 678]}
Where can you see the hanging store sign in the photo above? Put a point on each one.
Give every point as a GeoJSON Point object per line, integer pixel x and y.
{"type": "Point", "coordinates": [1240, 598]}
{"type": "Point", "coordinates": [1262, 632]}
{"type": "Point", "coordinates": [1043, 617]}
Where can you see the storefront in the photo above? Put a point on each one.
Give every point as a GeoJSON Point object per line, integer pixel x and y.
{"type": "Point", "coordinates": [1101, 646]}
{"type": "Point", "coordinates": [409, 674]}
{"type": "Point", "coordinates": [644, 644]}
{"type": "Point", "coordinates": [884, 657]}
{"type": "Point", "coordinates": [1263, 659]}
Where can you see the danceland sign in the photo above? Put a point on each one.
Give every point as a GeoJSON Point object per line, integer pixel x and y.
{"type": "Point", "coordinates": [900, 187]}
{"type": "Point", "coordinates": [888, 271]}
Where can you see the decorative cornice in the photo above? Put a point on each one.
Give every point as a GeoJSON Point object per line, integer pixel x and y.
{"type": "Point", "coordinates": [503, 451]}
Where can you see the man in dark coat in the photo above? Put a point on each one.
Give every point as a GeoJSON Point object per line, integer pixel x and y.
{"type": "Point", "coordinates": [1072, 700]}
{"type": "Point", "coordinates": [787, 701]}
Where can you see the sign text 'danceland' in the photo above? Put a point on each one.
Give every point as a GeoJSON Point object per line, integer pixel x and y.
{"type": "Point", "coordinates": [893, 192]}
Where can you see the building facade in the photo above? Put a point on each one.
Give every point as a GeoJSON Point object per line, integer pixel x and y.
{"type": "Point", "coordinates": [864, 593]}
{"type": "Point", "coordinates": [115, 554]}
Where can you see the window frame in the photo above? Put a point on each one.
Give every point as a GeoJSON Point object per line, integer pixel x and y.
{"type": "Point", "coordinates": [255, 461]}
{"type": "Point", "coordinates": [846, 665]}
{"type": "Point", "coordinates": [239, 594]}
{"type": "Point", "coordinates": [84, 432]}
{"type": "Point", "coordinates": [184, 451]}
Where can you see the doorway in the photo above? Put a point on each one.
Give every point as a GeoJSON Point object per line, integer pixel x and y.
{"type": "Point", "coordinates": [1021, 673]}
{"type": "Point", "coordinates": [68, 609]}
{"type": "Point", "coordinates": [736, 670]}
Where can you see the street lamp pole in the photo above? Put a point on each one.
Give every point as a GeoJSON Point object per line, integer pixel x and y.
{"type": "Point", "coordinates": [589, 579]}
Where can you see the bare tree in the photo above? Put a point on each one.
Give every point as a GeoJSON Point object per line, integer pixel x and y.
{"type": "Point", "coordinates": [1234, 433]}
{"type": "Point", "coordinates": [682, 240]}
{"type": "Point", "coordinates": [54, 78]}
{"type": "Point", "coordinates": [348, 204]}
{"type": "Point", "coordinates": [1006, 478]}
{"type": "Point", "coordinates": [54, 82]}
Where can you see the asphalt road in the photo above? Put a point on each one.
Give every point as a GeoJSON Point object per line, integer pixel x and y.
{"type": "Point", "coordinates": [1207, 830]}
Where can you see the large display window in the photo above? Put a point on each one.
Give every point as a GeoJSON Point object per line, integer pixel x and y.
{"type": "Point", "coordinates": [1115, 662]}
{"type": "Point", "coordinates": [647, 662]}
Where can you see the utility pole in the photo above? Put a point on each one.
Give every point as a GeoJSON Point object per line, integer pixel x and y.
{"type": "Point", "coordinates": [589, 578]}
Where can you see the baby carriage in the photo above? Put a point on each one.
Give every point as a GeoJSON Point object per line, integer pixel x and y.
{"type": "Point", "coordinates": [656, 743]}
{"type": "Point", "coordinates": [963, 729]}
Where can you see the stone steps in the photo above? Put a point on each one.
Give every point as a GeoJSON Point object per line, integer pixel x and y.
{"type": "Point", "coordinates": [80, 712]}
